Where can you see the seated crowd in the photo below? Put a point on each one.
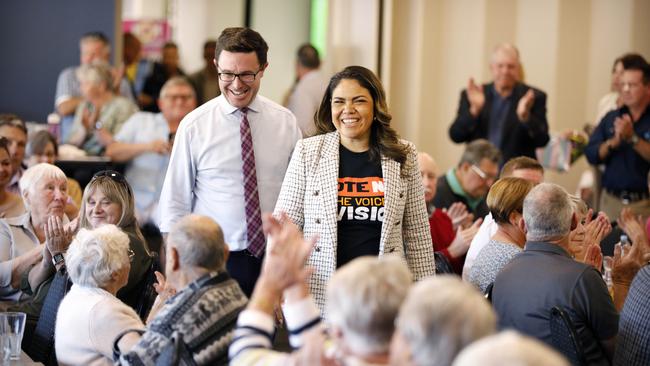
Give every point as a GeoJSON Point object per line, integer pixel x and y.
{"type": "Point", "coordinates": [488, 265]}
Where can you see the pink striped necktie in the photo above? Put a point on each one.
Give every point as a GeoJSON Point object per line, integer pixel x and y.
{"type": "Point", "coordinates": [251, 197]}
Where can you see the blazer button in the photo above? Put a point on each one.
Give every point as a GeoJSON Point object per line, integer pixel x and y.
{"type": "Point", "coordinates": [397, 223]}
{"type": "Point", "coordinates": [315, 193]}
{"type": "Point", "coordinates": [318, 221]}
{"type": "Point", "coordinates": [401, 195]}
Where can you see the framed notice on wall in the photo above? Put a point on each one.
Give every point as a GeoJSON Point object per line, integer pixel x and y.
{"type": "Point", "coordinates": [153, 33]}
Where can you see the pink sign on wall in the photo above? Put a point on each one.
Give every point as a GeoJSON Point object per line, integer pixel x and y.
{"type": "Point", "coordinates": [153, 33]}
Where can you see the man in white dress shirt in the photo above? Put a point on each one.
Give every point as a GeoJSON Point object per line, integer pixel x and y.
{"type": "Point", "coordinates": [209, 169]}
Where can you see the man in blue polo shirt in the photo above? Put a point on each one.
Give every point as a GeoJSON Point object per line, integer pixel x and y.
{"type": "Point", "coordinates": [622, 143]}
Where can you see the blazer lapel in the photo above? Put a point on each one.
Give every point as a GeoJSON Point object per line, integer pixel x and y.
{"type": "Point", "coordinates": [392, 191]}
{"type": "Point", "coordinates": [328, 174]}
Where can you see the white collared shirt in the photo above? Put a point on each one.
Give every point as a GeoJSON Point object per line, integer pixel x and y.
{"type": "Point", "coordinates": [205, 169]}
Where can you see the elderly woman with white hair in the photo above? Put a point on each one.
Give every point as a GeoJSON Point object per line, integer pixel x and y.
{"type": "Point", "coordinates": [440, 316]}
{"type": "Point", "coordinates": [102, 113]}
{"type": "Point", "coordinates": [44, 192]}
{"type": "Point", "coordinates": [98, 263]}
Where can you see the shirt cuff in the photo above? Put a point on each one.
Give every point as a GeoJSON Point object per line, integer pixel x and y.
{"type": "Point", "coordinates": [256, 319]}
{"type": "Point", "coordinates": [300, 317]}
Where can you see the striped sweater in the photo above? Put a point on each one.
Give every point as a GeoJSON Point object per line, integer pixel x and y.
{"type": "Point", "coordinates": [203, 315]}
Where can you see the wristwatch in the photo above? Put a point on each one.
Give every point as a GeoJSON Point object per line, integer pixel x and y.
{"type": "Point", "coordinates": [57, 259]}
{"type": "Point", "coordinates": [634, 139]}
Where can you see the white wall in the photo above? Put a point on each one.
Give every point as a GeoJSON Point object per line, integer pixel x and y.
{"type": "Point", "coordinates": [284, 24]}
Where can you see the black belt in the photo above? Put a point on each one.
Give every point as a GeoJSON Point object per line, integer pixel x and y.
{"type": "Point", "coordinates": [629, 195]}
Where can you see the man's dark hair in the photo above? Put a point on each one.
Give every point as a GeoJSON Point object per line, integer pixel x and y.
{"type": "Point", "coordinates": [10, 119]}
{"type": "Point", "coordinates": [211, 43]}
{"type": "Point", "coordinates": [170, 45]}
{"type": "Point", "coordinates": [308, 56]}
{"type": "Point", "coordinates": [634, 61]}
{"type": "Point", "coordinates": [242, 40]}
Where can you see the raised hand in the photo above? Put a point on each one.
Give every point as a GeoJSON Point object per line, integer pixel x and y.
{"type": "Point", "coordinates": [623, 127]}
{"type": "Point", "coordinates": [57, 236]}
{"type": "Point", "coordinates": [286, 253]}
{"type": "Point", "coordinates": [592, 234]}
{"type": "Point", "coordinates": [594, 256]}
{"type": "Point", "coordinates": [525, 104]}
{"type": "Point", "coordinates": [633, 227]}
{"type": "Point", "coordinates": [476, 97]}
{"type": "Point", "coordinates": [459, 215]}
{"type": "Point", "coordinates": [463, 239]}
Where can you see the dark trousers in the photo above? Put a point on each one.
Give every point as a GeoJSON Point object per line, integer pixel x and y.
{"type": "Point", "coordinates": [245, 269]}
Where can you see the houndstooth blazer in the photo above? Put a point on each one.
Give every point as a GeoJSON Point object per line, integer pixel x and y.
{"type": "Point", "coordinates": [309, 197]}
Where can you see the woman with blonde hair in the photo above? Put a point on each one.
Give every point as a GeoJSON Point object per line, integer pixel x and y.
{"type": "Point", "coordinates": [506, 203]}
{"type": "Point", "coordinates": [102, 113]}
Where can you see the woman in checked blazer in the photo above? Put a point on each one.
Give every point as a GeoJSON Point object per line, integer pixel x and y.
{"type": "Point", "coordinates": [356, 185]}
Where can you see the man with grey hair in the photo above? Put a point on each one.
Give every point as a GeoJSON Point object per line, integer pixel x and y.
{"type": "Point", "coordinates": [196, 323]}
{"type": "Point", "coordinates": [440, 316]}
{"type": "Point", "coordinates": [470, 181]}
{"type": "Point", "coordinates": [93, 47]}
{"type": "Point", "coordinates": [507, 112]}
{"type": "Point", "coordinates": [145, 142]}
{"type": "Point", "coordinates": [544, 276]}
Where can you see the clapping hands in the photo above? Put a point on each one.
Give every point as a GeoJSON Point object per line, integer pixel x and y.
{"type": "Point", "coordinates": [476, 97]}
{"type": "Point", "coordinates": [525, 104]}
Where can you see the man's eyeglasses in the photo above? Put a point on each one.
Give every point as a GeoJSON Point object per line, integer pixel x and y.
{"type": "Point", "coordinates": [483, 175]}
{"type": "Point", "coordinates": [245, 77]}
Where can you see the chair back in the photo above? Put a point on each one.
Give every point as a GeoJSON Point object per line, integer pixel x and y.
{"type": "Point", "coordinates": [147, 290]}
{"type": "Point", "coordinates": [564, 337]}
{"type": "Point", "coordinates": [442, 263]}
{"type": "Point", "coordinates": [41, 348]}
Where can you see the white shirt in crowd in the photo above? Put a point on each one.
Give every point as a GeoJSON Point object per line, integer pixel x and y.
{"type": "Point", "coordinates": [485, 232]}
{"type": "Point", "coordinates": [205, 169]}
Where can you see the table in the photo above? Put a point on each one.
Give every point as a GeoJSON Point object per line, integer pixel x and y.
{"type": "Point", "coordinates": [25, 360]}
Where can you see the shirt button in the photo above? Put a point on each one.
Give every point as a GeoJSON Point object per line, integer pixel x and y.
{"type": "Point", "coordinates": [317, 249]}
{"type": "Point", "coordinates": [318, 221]}
{"type": "Point", "coordinates": [315, 193]}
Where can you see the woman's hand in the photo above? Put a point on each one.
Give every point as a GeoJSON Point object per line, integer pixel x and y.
{"type": "Point", "coordinates": [57, 236]}
{"type": "Point", "coordinates": [89, 116]}
{"type": "Point", "coordinates": [459, 215]}
{"type": "Point", "coordinates": [463, 239]}
{"type": "Point", "coordinates": [633, 227]}
{"type": "Point", "coordinates": [163, 288]}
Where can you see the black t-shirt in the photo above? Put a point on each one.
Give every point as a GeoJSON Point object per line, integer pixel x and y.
{"type": "Point", "coordinates": [360, 206]}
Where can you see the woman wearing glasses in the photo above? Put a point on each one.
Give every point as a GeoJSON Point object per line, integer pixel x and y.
{"type": "Point", "coordinates": [91, 316]}
{"type": "Point", "coordinates": [107, 200]}
{"type": "Point", "coordinates": [356, 184]}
